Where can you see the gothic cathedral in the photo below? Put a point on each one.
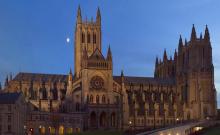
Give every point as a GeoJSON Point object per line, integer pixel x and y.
{"type": "Point", "coordinates": [182, 88]}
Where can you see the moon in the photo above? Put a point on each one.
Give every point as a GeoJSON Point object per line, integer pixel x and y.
{"type": "Point", "coordinates": [67, 40]}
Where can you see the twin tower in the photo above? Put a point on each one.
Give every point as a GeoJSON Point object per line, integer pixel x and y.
{"type": "Point", "coordinates": [191, 67]}
{"type": "Point", "coordinates": [87, 39]}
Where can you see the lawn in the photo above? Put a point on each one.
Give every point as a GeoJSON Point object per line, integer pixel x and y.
{"type": "Point", "coordinates": [101, 133]}
{"type": "Point", "coordinates": [212, 131]}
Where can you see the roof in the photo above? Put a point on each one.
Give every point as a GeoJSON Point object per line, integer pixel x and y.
{"type": "Point", "coordinates": [145, 80]}
{"type": "Point", "coordinates": [97, 55]}
{"type": "Point", "coordinates": [40, 77]}
{"type": "Point", "coordinates": [9, 98]}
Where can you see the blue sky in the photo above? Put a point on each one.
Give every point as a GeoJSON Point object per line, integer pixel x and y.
{"type": "Point", "coordinates": [33, 33]}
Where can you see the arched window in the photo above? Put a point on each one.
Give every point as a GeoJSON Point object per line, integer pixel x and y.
{"type": "Point", "coordinates": [97, 99]}
{"type": "Point", "coordinates": [91, 99]}
{"type": "Point", "coordinates": [88, 38]}
{"type": "Point", "coordinates": [83, 38]}
{"type": "Point", "coordinates": [103, 99]}
{"type": "Point", "coordinates": [55, 91]}
{"type": "Point", "coordinates": [94, 38]}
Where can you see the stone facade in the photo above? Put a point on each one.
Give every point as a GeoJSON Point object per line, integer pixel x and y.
{"type": "Point", "coordinates": [182, 87]}
{"type": "Point", "coordinates": [12, 114]}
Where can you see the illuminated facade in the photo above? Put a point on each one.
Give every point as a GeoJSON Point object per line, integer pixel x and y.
{"type": "Point", "coordinates": [182, 87]}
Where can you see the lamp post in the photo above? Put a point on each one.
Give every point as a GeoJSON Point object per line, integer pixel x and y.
{"type": "Point", "coordinates": [130, 126]}
{"type": "Point", "coordinates": [177, 120]}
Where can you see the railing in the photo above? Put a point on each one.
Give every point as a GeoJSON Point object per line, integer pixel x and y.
{"type": "Point", "coordinates": [180, 129]}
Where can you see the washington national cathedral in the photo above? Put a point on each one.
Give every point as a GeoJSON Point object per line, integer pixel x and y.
{"type": "Point", "coordinates": [91, 97]}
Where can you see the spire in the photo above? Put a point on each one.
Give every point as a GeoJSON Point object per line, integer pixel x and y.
{"type": "Point", "coordinates": [180, 44]}
{"type": "Point", "coordinates": [6, 81]}
{"type": "Point", "coordinates": [122, 76]}
{"type": "Point", "coordinates": [109, 55]}
{"type": "Point", "coordinates": [193, 34]}
{"type": "Point", "coordinates": [122, 73]}
{"type": "Point", "coordinates": [185, 42]}
{"type": "Point", "coordinates": [70, 73]}
{"type": "Point", "coordinates": [0, 86]}
{"type": "Point", "coordinates": [98, 16]}
{"type": "Point", "coordinates": [79, 17]}
{"type": "Point", "coordinates": [171, 58]}
{"type": "Point", "coordinates": [70, 78]}
{"type": "Point", "coordinates": [165, 55]}
{"type": "Point", "coordinates": [156, 63]}
{"type": "Point", "coordinates": [201, 36]}
{"type": "Point", "coordinates": [206, 36]}
{"type": "Point", "coordinates": [175, 55]}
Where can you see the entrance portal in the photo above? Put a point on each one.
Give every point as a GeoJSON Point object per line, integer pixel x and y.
{"type": "Point", "coordinates": [103, 120]}
{"type": "Point", "coordinates": [93, 121]}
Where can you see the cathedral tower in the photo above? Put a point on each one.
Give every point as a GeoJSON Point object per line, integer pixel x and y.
{"type": "Point", "coordinates": [87, 37]}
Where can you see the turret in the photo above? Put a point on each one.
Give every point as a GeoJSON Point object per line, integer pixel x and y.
{"type": "Point", "coordinates": [79, 17]}
{"type": "Point", "coordinates": [156, 65]}
{"type": "Point", "coordinates": [6, 81]}
{"type": "Point", "coordinates": [175, 56]}
{"type": "Point", "coordinates": [200, 36]}
{"type": "Point", "coordinates": [185, 42]}
{"type": "Point", "coordinates": [156, 62]}
{"type": "Point", "coordinates": [122, 76]}
{"type": "Point", "coordinates": [193, 34]}
{"type": "Point", "coordinates": [109, 54]}
{"type": "Point", "coordinates": [164, 55]}
{"type": "Point", "coordinates": [70, 76]}
{"type": "Point", "coordinates": [206, 36]}
{"type": "Point", "coordinates": [98, 17]}
{"type": "Point", "coordinates": [180, 46]}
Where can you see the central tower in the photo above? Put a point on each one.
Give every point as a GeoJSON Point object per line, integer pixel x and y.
{"type": "Point", "coordinates": [87, 37]}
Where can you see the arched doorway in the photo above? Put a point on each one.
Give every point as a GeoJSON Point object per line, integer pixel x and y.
{"type": "Point", "coordinates": [103, 120]}
{"type": "Point", "coordinates": [113, 119]}
{"type": "Point", "coordinates": [69, 131]}
{"type": "Point", "coordinates": [61, 130]}
{"type": "Point", "coordinates": [93, 121]}
{"type": "Point", "coordinates": [52, 130]}
{"type": "Point", "coordinates": [42, 130]}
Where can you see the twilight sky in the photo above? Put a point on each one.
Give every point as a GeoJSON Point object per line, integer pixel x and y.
{"type": "Point", "coordinates": [33, 33]}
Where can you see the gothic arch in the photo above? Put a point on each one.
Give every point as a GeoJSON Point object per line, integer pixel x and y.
{"type": "Point", "coordinates": [91, 99]}
{"type": "Point", "coordinates": [88, 37]}
{"type": "Point", "coordinates": [93, 119]}
{"type": "Point", "coordinates": [113, 119]}
{"type": "Point", "coordinates": [103, 99]}
{"type": "Point", "coordinates": [103, 119]}
{"type": "Point", "coordinates": [83, 37]}
{"type": "Point", "coordinates": [94, 38]}
{"type": "Point", "coordinates": [97, 99]}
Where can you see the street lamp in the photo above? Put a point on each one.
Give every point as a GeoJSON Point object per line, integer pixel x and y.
{"type": "Point", "coordinates": [177, 120]}
{"type": "Point", "coordinates": [130, 126]}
